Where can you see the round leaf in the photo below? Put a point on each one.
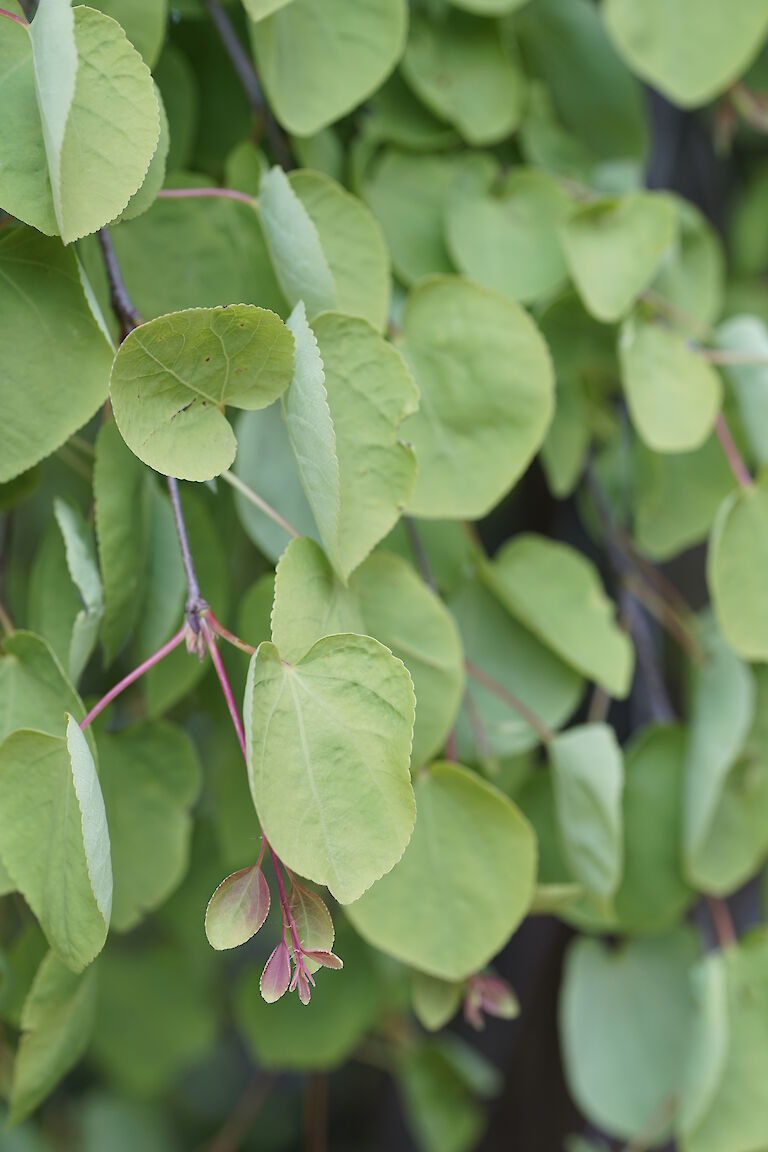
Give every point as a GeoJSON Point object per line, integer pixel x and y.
{"type": "Point", "coordinates": [736, 561]}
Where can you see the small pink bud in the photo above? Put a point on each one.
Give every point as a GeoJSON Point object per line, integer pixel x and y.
{"type": "Point", "coordinates": [323, 958]}
{"type": "Point", "coordinates": [304, 990]}
{"type": "Point", "coordinates": [490, 995]}
{"type": "Point", "coordinates": [276, 975]}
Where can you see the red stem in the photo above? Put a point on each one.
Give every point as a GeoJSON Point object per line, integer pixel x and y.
{"type": "Point", "coordinates": [133, 676]}
{"type": "Point", "coordinates": [204, 193]}
{"type": "Point", "coordinates": [731, 452]}
{"type": "Point", "coordinates": [230, 637]}
{"type": "Point", "coordinates": [12, 16]}
{"type": "Point", "coordinates": [722, 922]}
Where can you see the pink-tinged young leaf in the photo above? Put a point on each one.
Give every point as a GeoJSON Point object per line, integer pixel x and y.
{"type": "Point", "coordinates": [303, 984]}
{"type": "Point", "coordinates": [276, 975]}
{"type": "Point", "coordinates": [324, 959]}
{"type": "Point", "coordinates": [491, 996]}
{"type": "Point", "coordinates": [237, 909]}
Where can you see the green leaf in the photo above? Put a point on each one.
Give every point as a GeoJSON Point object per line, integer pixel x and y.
{"type": "Point", "coordinates": [173, 376]}
{"type": "Point", "coordinates": [508, 242]}
{"type": "Point", "coordinates": [385, 599]}
{"type": "Point", "coordinates": [34, 690]}
{"type": "Point", "coordinates": [673, 393]}
{"type": "Point", "coordinates": [438, 1103]}
{"type": "Point", "coordinates": [293, 240]}
{"type": "Point", "coordinates": [122, 532]}
{"type": "Point", "coordinates": [258, 9]}
{"type": "Point", "coordinates": [724, 1105]}
{"type": "Point", "coordinates": [489, 7]}
{"type": "Point", "coordinates": [370, 392]}
{"type": "Point", "coordinates": [318, 1035]}
{"type": "Point", "coordinates": [613, 249]}
{"type": "Point", "coordinates": [56, 358]}
{"type": "Point", "coordinates": [625, 1050]}
{"type": "Point", "coordinates": [89, 91]}
{"type": "Point", "coordinates": [237, 909]}
{"type": "Point", "coordinates": [150, 778]}
{"type": "Point", "coordinates": [164, 582]}
{"type": "Point", "coordinates": [692, 278]}
{"type": "Point", "coordinates": [467, 73]}
{"type": "Point", "coordinates": [653, 892]}
{"type": "Point", "coordinates": [329, 742]}
{"type": "Point", "coordinates": [736, 559]}
{"type": "Point", "coordinates": [84, 570]}
{"type": "Point", "coordinates": [319, 59]}
{"type": "Point", "coordinates": [142, 200]}
{"type": "Point", "coordinates": [520, 664]}
{"type": "Point", "coordinates": [464, 884]}
{"type": "Point", "coordinates": [311, 432]}
{"type": "Point", "coordinates": [745, 335]}
{"type": "Point", "coordinates": [144, 23]}
{"type": "Point", "coordinates": [54, 839]}
{"type": "Point", "coordinates": [692, 50]}
{"type": "Point", "coordinates": [485, 382]}
{"type": "Point", "coordinates": [557, 593]}
{"type": "Point", "coordinates": [410, 196]}
{"type": "Point", "coordinates": [57, 1020]}
{"type": "Point", "coordinates": [435, 1001]}
{"type": "Point", "coordinates": [588, 774]}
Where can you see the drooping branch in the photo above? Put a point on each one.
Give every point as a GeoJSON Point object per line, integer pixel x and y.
{"type": "Point", "coordinates": [122, 305]}
{"type": "Point", "coordinates": [195, 604]}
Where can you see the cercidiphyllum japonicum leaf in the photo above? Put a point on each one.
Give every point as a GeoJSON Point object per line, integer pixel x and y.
{"type": "Point", "coordinates": [314, 925]}
{"type": "Point", "coordinates": [726, 783]}
{"type": "Point", "coordinates": [80, 92]}
{"type": "Point", "coordinates": [614, 247]}
{"type": "Point", "coordinates": [144, 23]}
{"type": "Point", "coordinates": [34, 690]}
{"type": "Point", "coordinates": [588, 777]}
{"type": "Point", "coordinates": [625, 1050]}
{"type": "Point", "coordinates": [653, 892]}
{"type": "Point", "coordinates": [519, 663]}
{"type": "Point", "coordinates": [329, 746]}
{"type": "Point", "coordinates": [556, 592]}
{"type": "Point", "coordinates": [54, 839]}
{"type": "Point", "coordinates": [326, 247]}
{"type": "Point", "coordinates": [319, 59]}
{"type": "Point", "coordinates": [736, 561]}
{"type": "Point", "coordinates": [57, 1021]}
{"type": "Point", "coordinates": [489, 7]}
{"type": "Point", "coordinates": [486, 395]}
{"type": "Point", "coordinates": [748, 334]}
{"type": "Point", "coordinates": [80, 551]}
{"type": "Point", "coordinates": [442, 1083]}
{"type": "Point", "coordinates": [55, 358]}
{"type": "Point", "coordinates": [675, 497]}
{"type": "Point", "coordinates": [150, 778]}
{"type": "Point", "coordinates": [467, 72]}
{"type": "Point", "coordinates": [673, 393]}
{"type": "Point", "coordinates": [464, 884]}
{"type": "Point", "coordinates": [691, 50]}
{"type": "Point", "coordinates": [164, 583]}
{"type": "Point", "coordinates": [258, 9]}
{"type": "Point", "coordinates": [237, 909]}
{"type": "Point", "coordinates": [435, 1001]}
{"type": "Point", "coordinates": [692, 278]}
{"type": "Point", "coordinates": [562, 43]}
{"type": "Point", "coordinates": [122, 514]}
{"type": "Point", "coordinates": [396, 116]}
{"type": "Point", "coordinates": [410, 194]}
{"type": "Point", "coordinates": [290, 1035]}
{"type": "Point", "coordinates": [143, 200]}
{"type": "Point", "coordinates": [508, 240]}
{"type": "Point", "coordinates": [173, 377]}
{"type": "Point", "coordinates": [387, 599]}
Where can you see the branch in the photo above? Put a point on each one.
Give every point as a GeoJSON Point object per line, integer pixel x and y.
{"type": "Point", "coordinates": [195, 604]}
{"type": "Point", "coordinates": [246, 74]}
{"type": "Point", "coordinates": [122, 305]}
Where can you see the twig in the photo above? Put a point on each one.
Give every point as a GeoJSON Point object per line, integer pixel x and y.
{"type": "Point", "coordinates": [246, 74]}
{"type": "Point", "coordinates": [544, 733]}
{"type": "Point", "coordinates": [205, 193]}
{"type": "Point", "coordinates": [419, 552]}
{"type": "Point", "coordinates": [195, 604]}
{"type": "Point", "coordinates": [731, 453]}
{"type": "Point", "coordinates": [132, 677]}
{"type": "Point", "coordinates": [122, 305]}
{"type": "Point", "coordinates": [238, 1124]}
{"type": "Point", "coordinates": [721, 922]}
{"type": "Point", "coordinates": [258, 502]}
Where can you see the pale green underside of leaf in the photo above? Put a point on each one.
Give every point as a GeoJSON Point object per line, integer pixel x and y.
{"type": "Point", "coordinates": [294, 245]}
{"type": "Point", "coordinates": [385, 599]}
{"type": "Point", "coordinates": [465, 881]}
{"type": "Point", "coordinates": [691, 50]}
{"type": "Point", "coordinates": [80, 550]}
{"type": "Point", "coordinates": [173, 376]}
{"type": "Point", "coordinates": [57, 1021]}
{"type": "Point", "coordinates": [54, 839]}
{"type": "Point", "coordinates": [80, 91]}
{"type": "Point", "coordinates": [34, 690]}
{"type": "Point", "coordinates": [329, 743]}
{"type": "Point", "coordinates": [486, 396]}
{"type": "Point", "coordinates": [55, 358]}
{"type": "Point", "coordinates": [557, 593]}
{"type": "Point", "coordinates": [736, 560]}
{"type": "Point", "coordinates": [747, 334]}
{"type": "Point", "coordinates": [319, 59]}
